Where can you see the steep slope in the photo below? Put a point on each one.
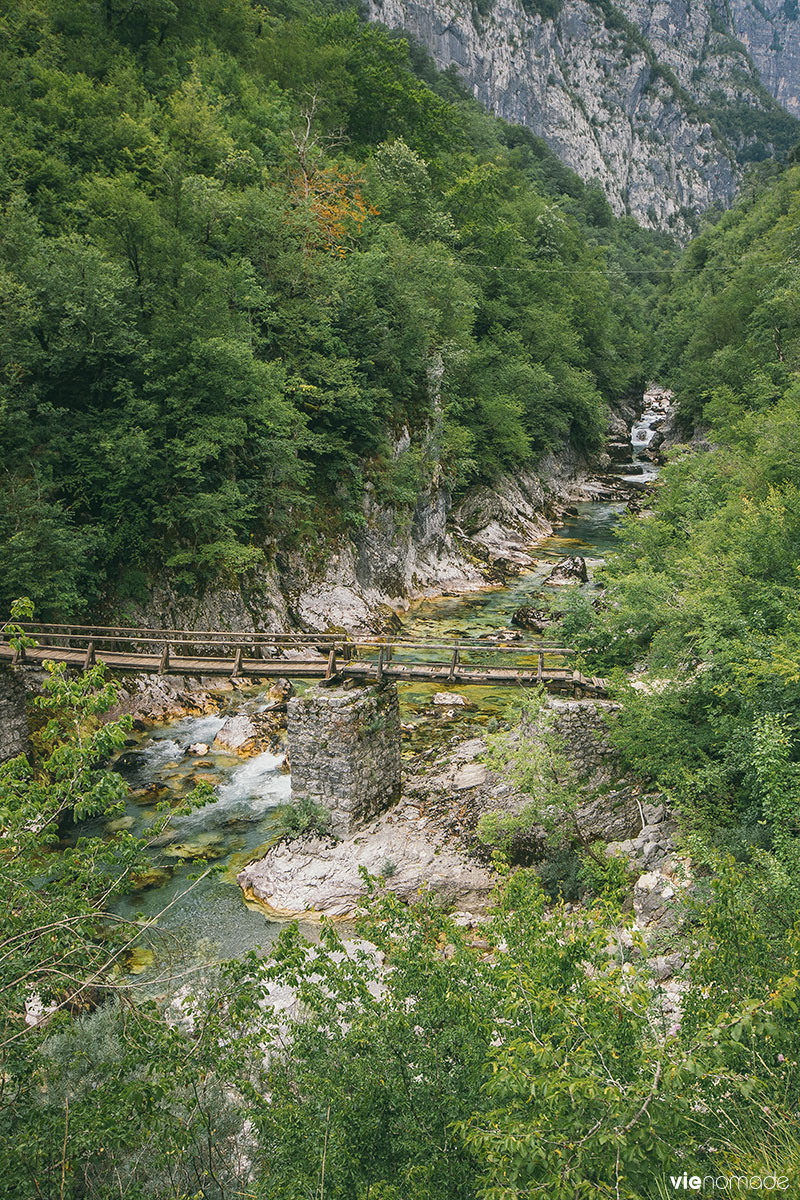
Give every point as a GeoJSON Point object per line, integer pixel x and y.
{"type": "Point", "coordinates": [267, 288]}
{"type": "Point", "coordinates": [771, 32]}
{"type": "Point", "coordinates": [656, 101]}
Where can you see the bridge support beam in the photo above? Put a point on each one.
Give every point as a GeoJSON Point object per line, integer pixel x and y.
{"type": "Point", "coordinates": [344, 751]}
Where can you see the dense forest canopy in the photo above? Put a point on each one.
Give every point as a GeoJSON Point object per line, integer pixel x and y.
{"type": "Point", "coordinates": [243, 248]}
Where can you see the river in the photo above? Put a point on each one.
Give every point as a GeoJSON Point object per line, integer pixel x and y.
{"type": "Point", "coordinates": [198, 917]}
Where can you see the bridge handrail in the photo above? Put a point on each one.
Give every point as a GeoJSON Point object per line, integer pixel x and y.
{"type": "Point", "coordinates": [134, 635]}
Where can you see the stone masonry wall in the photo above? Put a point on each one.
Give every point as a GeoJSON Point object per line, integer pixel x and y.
{"type": "Point", "coordinates": [608, 808]}
{"type": "Point", "coordinates": [344, 751]}
{"type": "Point", "coordinates": [582, 725]}
{"type": "Point", "coordinates": [14, 731]}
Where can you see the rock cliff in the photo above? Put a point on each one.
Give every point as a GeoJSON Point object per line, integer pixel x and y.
{"type": "Point", "coordinates": [658, 101]}
{"type": "Point", "coordinates": [358, 583]}
{"type": "Point", "coordinates": [770, 31]}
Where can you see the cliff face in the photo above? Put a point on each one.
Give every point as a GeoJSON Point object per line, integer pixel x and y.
{"type": "Point", "coordinates": [770, 30]}
{"type": "Point", "coordinates": [653, 99]}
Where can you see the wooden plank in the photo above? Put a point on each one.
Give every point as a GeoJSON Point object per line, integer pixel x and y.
{"type": "Point", "coordinates": [89, 659]}
{"type": "Point", "coordinates": [314, 668]}
{"type": "Point", "coordinates": [237, 663]}
{"type": "Point", "coordinates": [331, 669]}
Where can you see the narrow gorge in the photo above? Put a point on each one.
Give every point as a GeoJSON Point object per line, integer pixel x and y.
{"type": "Point", "coordinates": [399, 738]}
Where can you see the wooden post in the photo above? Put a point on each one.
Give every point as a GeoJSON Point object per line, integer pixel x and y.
{"type": "Point", "coordinates": [89, 660]}
{"type": "Point", "coordinates": [331, 671]}
{"type": "Point", "coordinates": [388, 652]}
{"type": "Point", "coordinates": [237, 663]}
{"type": "Point", "coordinates": [163, 666]}
{"type": "Point", "coordinates": [380, 666]}
{"type": "Point", "coordinates": [19, 655]}
{"type": "Point", "coordinates": [539, 665]}
{"type": "Point", "coordinates": [453, 666]}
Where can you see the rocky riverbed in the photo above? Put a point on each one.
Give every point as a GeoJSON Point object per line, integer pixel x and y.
{"type": "Point", "coordinates": [428, 840]}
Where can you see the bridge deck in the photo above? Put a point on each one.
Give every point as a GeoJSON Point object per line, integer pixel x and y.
{"type": "Point", "coordinates": [324, 656]}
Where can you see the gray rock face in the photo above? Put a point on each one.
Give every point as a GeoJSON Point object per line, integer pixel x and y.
{"type": "Point", "coordinates": [248, 735]}
{"type": "Point", "coordinates": [568, 571]}
{"type": "Point", "coordinates": [656, 902]}
{"type": "Point", "coordinates": [344, 747]}
{"type": "Point", "coordinates": [386, 563]}
{"type": "Point", "coordinates": [770, 30]}
{"type": "Point", "coordinates": [315, 876]}
{"type": "Point", "coordinates": [627, 107]}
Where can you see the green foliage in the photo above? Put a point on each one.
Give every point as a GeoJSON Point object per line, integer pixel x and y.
{"type": "Point", "coordinates": [703, 594]}
{"type": "Point", "coordinates": [533, 759]}
{"type": "Point", "coordinates": [605, 876]}
{"type": "Point", "coordinates": [241, 251]}
{"type": "Point", "coordinates": [304, 815]}
{"type": "Point", "coordinates": [414, 1063]}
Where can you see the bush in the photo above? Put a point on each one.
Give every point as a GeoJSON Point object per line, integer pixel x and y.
{"type": "Point", "coordinates": [303, 816]}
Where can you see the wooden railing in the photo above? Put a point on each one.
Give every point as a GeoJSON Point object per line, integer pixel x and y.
{"type": "Point", "coordinates": [326, 655]}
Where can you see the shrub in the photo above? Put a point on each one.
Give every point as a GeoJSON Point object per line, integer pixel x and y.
{"type": "Point", "coordinates": [303, 816]}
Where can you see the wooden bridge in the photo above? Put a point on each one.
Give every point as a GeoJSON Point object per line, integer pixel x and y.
{"type": "Point", "coordinates": [325, 656]}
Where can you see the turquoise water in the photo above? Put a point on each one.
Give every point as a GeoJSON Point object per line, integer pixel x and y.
{"type": "Point", "coordinates": [190, 898]}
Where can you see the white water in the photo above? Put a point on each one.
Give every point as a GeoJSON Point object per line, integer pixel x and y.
{"type": "Point", "coordinates": [211, 915]}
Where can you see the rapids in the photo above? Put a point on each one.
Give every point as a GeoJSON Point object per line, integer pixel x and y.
{"type": "Point", "coordinates": [191, 896]}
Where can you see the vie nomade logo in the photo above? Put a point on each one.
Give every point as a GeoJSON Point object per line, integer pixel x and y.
{"type": "Point", "coordinates": [730, 1183]}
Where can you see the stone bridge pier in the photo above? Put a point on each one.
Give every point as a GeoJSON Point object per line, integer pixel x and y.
{"type": "Point", "coordinates": [344, 750]}
{"type": "Point", "coordinates": [14, 731]}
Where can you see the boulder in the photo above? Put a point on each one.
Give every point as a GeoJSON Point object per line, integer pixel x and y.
{"type": "Point", "coordinates": [449, 699]}
{"type": "Point", "coordinates": [617, 427]}
{"type": "Point", "coordinates": [610, 816]}
{"type": "Point", "coordinates": [312, 876]}
{"type": "Point", "coordinates": [656, 903]}
{"type": "Point", "coordinates": [198, 748]}
{"type": "Point", "coordinates": [528, 617]}
{"type": "Point", "coordinates": [569, 570]}
{"type": "Point", "coordinates": [247, 735]}
{"type": "Point", "coordinates": [280, 691]}
{"type": "Point", "coordinates": [619, 451]}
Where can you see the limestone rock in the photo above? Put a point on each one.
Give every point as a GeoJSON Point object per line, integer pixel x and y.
{"type": "Point", "coordinates": [589, 89]}
{"type": "Point", "coordinates": [315, 876]}
{"type": "Point", "coordinates": [245, 735]}
{"type": "Point", "coordinates": [449, 700]}
{"type": "Point", "coordinates": [528, 617]}
{"type": "Point", "coordinates": [280, 691]}
{"type": "Point", "coordinates": [664, 966]}
{"type": "Point", "coordinates": [609, 817]}
{"type": "Point", "coordinates": [656, 902]}
{"type": "Point", "coordinates": [568, 571]}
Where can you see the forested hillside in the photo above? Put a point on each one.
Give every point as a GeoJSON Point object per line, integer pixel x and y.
{"type": "Point", "coordinates": [705, 589]}
{"type": "Point", "coordinates": [702, 601]}
{"type": "Point", "coordinates": [245, 247]}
